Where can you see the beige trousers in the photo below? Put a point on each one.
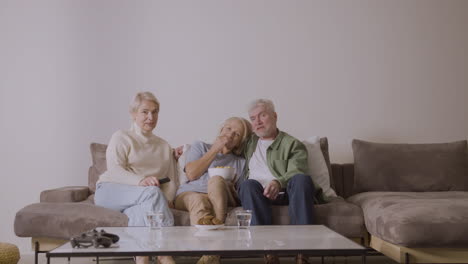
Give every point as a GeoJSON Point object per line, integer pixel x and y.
{"type": "Point", "coordinates": [221, 194]}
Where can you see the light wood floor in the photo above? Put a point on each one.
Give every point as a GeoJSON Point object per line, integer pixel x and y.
{"type": "Point", "coordinates": [29, 259]}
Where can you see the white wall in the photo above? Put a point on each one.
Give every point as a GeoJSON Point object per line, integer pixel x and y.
{"type": "Point", "coordinates": [388, 71]}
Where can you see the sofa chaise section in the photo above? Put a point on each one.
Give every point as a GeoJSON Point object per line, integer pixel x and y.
{"type": "Point", "coordinates": [64, 220]}
{"type": "Point", "coordinates": [427, 219]}
{"type": "Point", "coordinates": [414, 199]}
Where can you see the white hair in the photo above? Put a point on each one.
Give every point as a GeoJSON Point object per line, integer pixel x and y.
{"type": "Point", "coordinates": [141, 96]}
{"type": "Point", "coordinates": [268, 104]}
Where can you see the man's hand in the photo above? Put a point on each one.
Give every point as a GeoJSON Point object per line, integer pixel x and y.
{"type": "Point", "coordinates": [177, 152]}
{"type": "Point", "coordinates": [272, 189]}
{"type": "Point", "coordinates": [219, 143]}
{"type": "Point", "coordinates": [149, 181]}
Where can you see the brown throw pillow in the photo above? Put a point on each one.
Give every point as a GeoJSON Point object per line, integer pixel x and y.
{"type": "Point", "coordinates": [410, 167]}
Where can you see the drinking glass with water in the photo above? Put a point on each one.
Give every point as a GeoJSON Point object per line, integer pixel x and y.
{"type": "Point", "coordinates": [243, 218]}
{"type": "Point", "coordinates": [155, 219]}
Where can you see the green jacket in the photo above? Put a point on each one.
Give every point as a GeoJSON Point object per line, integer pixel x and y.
{"type": "Point", "coordinates": [286, 157]}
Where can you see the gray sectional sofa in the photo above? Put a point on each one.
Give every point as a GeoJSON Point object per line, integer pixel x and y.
{"type": "Point", "coordinates": [64, 212]}
{"type": "Point", "coordinates": [409, 202]}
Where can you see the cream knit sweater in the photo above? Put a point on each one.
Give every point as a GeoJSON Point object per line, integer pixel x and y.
{"type": "Point", "coordinates": [132, 156]}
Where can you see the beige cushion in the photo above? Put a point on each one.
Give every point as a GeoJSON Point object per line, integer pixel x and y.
{"type": "Point", "coordinates": [318, 167]}
{"type": "Point", "coordinates": [326, 155]}
{"type": "Point", "coordinates": [410, 219]}
{"type": "Point", "coordinates": [181, 164]}
{"type": "Point", "coordinates": [410, 167]}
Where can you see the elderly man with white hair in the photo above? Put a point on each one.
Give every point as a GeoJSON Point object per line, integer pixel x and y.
{"type": "Point", "coordinates": [276, 168]}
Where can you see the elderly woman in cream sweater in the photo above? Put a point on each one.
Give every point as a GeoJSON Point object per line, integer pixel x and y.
{"type": "Point", "coordinates": [136, 162]}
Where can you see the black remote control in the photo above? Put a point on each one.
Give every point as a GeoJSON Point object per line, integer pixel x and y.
{"type": "Point", "coordinates": [164, 180]}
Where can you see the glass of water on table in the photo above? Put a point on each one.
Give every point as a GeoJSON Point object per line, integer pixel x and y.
{"type": "Point", "coordinates": [243, 218]}
{"type": "Point", "coordinates": [155, 219]}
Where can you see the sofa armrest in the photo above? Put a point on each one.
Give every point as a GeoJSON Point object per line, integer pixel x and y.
{"type": "Point", "coordinates": [70, 194]}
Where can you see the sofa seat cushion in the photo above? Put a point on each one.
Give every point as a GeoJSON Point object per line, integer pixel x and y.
{"type": "Point", "coordinates": [64, 220]}
{"type": "Point", "coordinates": [343, 217]}
{"type": "Point", "coordinates": [416, 219]}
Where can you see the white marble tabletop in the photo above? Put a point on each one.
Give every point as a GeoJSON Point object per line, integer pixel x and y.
{"type": "Point", "coordinates": [185, 240]}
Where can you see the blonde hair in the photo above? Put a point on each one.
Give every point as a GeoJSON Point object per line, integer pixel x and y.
{"type": "Point", "coordinates": [268, 104]}
{"type": "Point", "coordinates": [140, 97]}
{"type": "Point", "coordinates": [245, 134]}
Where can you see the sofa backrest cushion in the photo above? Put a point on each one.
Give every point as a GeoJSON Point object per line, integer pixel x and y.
{"type": "Point", "coordinates": [99, 166]}
{"type": "Point", "coordinates": [410, 167]}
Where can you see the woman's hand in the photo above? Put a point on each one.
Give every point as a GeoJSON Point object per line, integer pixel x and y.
{"type": "Point", "coordinates": [177, 152]}
{"type": "Point", "coordinates": [220, 143]}
{"type": "Point", "coordinates": [149, 181]}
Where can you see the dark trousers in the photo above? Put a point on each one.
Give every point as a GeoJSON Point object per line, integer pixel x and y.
{"type": "Point", "coordinates": [299, 195]}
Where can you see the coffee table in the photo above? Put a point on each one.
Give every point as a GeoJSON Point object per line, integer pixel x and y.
{"type": "Point", "coordinates": [312, 240]}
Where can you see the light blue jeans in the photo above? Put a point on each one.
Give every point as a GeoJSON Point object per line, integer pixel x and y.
{"type": "Point", "coordinates": [134, 201]}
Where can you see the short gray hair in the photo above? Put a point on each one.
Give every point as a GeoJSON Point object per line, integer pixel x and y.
{"type": "Point", "coordinates": [140, 97]}
{"type": "Point", "coordinates": [267, 103]}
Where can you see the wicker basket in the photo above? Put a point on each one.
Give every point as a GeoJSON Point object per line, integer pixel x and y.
{"type": "Point", "coordinates": [9, 253]}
